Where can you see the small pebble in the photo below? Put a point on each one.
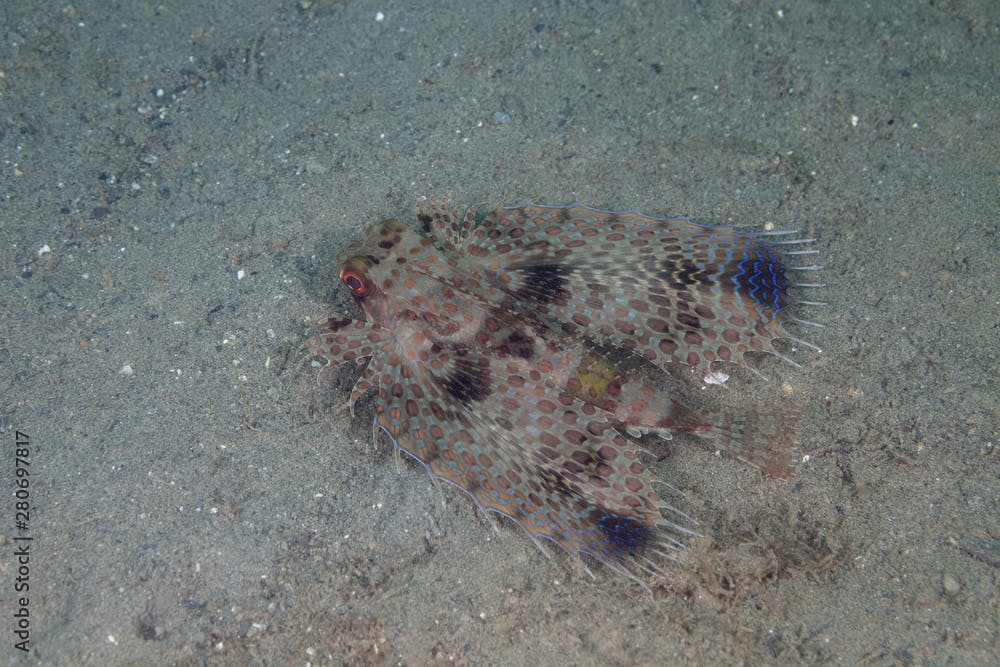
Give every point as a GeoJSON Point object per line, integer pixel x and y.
{"type": "Point", "coordinates": [125, 371]}
{"type": "Point", "coordinates": [716, 378]}
{"type": "Point", "coordinates": [950, 584]}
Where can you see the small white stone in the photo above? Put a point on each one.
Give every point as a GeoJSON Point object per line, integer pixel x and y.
{"type": "Point", "coordinates": [716, 378]}
{"type": "Point", "coordinates": [125, 370]}
{"type": "Point", "coordinates": [240, 274]}
{"type": "Point", "coordinates": [44, 249]}
{"type": "Point", "coordinates": [379, 16]}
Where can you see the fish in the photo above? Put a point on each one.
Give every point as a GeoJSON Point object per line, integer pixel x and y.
{"type": "Point", "coordinates": [509, 352]}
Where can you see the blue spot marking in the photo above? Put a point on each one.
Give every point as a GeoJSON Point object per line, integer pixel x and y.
{"type": "Point", "coordinates": [623, 533]}
{"type": "Point", "coordinates": [762, 278]}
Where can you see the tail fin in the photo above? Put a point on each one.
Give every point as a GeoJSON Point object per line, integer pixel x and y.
{"type": "Point", "coordinates": [765, 435]}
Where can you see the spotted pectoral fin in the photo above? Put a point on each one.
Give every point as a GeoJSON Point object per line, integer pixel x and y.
{"type": "Point", "coordinates": [668, 290]}
{"type": "Point", "coordinates": [546, 460]}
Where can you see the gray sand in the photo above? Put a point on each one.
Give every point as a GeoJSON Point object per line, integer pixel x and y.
{"type": "Point", "coordinates": [175, 183]}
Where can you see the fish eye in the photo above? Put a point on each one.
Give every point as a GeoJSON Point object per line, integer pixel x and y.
{"type": "Point", "coordinates": [356, 281]}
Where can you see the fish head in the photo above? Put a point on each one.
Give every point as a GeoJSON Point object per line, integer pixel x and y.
{"type": "Point", "coordinates": [388, 271]}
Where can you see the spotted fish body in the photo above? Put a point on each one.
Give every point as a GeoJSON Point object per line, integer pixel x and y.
{"type": "Point", "coordinates": [495, 349]}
